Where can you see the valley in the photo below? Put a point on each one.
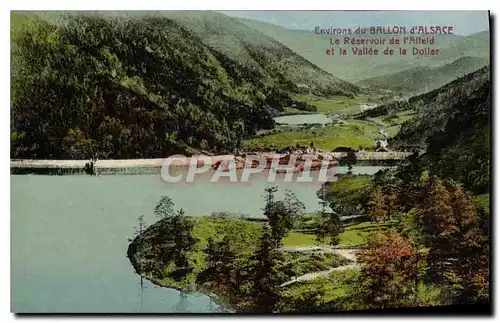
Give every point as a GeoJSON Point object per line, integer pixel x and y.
{"type": "Point", "coordinates": [403, 220]}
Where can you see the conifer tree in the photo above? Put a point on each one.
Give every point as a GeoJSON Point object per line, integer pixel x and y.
{"type": "Point", "coordinates": [377, 208]}
{"type": "Point", "coordinates": [281, 214]}
{"type": "Point", "coordinates": [220, 262]}
{"type": "Point", "coordinates": [328, 224]}
{"type": "Point", "coordinates": [164, 208]}
{"type": "Point", "coordinates": [181, 228]}
{"type": "Point", "coordinates": [266, 275]}
{"type": "Point", "coordinates": [388, 271]}
{"type": "Point", "coordinates": [457, 238]}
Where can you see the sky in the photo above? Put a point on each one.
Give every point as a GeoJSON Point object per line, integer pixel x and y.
{"type": "Point", "coordinates": [463, 22]}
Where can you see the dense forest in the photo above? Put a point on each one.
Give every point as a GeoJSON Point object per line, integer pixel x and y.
{"type": "Point", "coordinates": [437, 249]}
{"type": "Point", "coordinates": [121, 86]}
{"type": "Point", "coordinates": [453, 122]}
{"type": "Point", "coordinates": [451, 127]}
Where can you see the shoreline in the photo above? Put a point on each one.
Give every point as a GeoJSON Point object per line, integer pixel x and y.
{"type": "Point", "coordinates": [134, 249]}
{"type": "Point", "coordinates": [144, 262]}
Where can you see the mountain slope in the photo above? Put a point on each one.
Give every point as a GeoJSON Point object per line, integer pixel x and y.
{"type": "Point", "coordinates": [435, 108]}
{"type": "Point", "coordinates": [475, 45]}
{"type": "Point", "coordinates": [453, 125]}
{"type": "Point", "coordinates": [259, 52]}
{"type": "Point", "coordinates": [114, 85]}
{"type": "Point", "coordinates": [452, 47]}
{"type": "Point", "coordinates": [423, 78]}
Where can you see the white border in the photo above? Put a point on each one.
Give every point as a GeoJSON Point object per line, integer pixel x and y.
{"type": "Point", "coordinates": [198, 4]}
{"type": "Point", "coordinates": [249, 5]}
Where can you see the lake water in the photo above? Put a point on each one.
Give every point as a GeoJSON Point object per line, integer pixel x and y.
{"type": "Point", "coordinates": [302, 119]}
{"type": "Point", "coordinates": [69, 237]}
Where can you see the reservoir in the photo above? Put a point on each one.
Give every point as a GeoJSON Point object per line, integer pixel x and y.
{"type": "Point", "coordinates": [69, 237]}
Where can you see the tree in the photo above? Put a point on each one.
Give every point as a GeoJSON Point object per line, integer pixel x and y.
{"type": "Point", "coordinates": [174, 237]}
{"type": "Point", "coordinates": [269, 199]}
{"type": "Point", "coordinates": [266, 274]}
{"type": "Point", "coordinates": [349, 160]}
{"type": "Point", "coordinates": [341, 208]}
{"type": "Point", "coordinates": [480, 271]}
{"type": "Point", "coordinates": [471, 246]}
{"type": "Point", "coordinates": [77, 146]}
{"type": "Point", "coordinates": [439, 226]}
{"type": "Point", "coordinates": [220, 263]}
{"type": "Point", "coordinates": [182, 227]}
{"type": "Point", "coordinates": [457, 238]}
{"type": "Point", "coordinates": [139, 230]}
{"type": "Point", "coordinates": [327, 224]}
{"type": "Point", "coordinates": [377, 208]}
{"type": "Point", "coordinates": [281, 214]}
{"type": "Point", "coordinates": [294, 206]}
{"type": "Point", "coordinates": [321, 231]}
{"type": "Point", "coordinates": [280, 220]}
{"type": "Point", "coordinates": [164, 208]}
{"type": "Point", "coordinates": [141, 226]}
{"type": "Point", "coordinates": [388, 271]}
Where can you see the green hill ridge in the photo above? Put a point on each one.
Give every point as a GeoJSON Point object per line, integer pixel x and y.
{"type": "Point", "coordinates": [147, 84]}
{"type": "Point", "coordinates": [422, 79]}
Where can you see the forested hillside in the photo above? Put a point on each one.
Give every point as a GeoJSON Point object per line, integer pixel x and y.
{"type": "Point", "coordinates": [437, 203]}
{"type": "Point", "coordinates": [451, 125]}
{"type": "Point", "coordinates": [466, 95]}
{"type": "Point", "coordinates": [261, 53]}
{"type": "Point", "coordinates": [453, 122]}
{"type": "Point", "coordinates": [149, 85]}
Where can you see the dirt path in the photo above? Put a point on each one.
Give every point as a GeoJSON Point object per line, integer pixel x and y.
{"type": "Point", "coordinates": [316, 274]}
{"type": "Point", "coordinates": [349, 254]}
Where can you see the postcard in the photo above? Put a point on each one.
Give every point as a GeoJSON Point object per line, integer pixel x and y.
{"type": "Point", "coordinates": [241, 162]}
